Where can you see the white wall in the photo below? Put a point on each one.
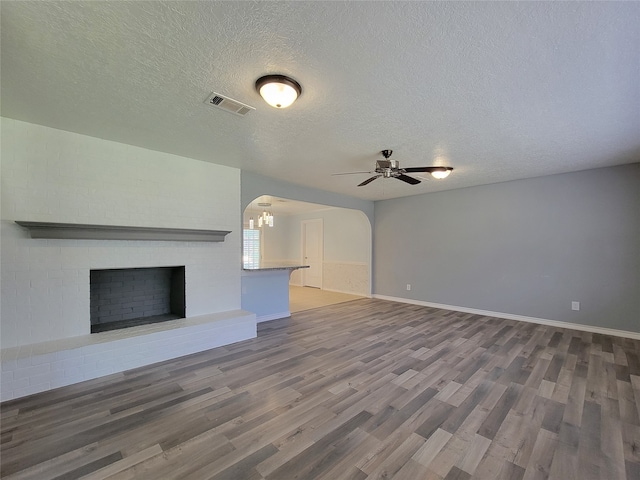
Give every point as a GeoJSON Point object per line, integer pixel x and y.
{"type": "Point", "coordinates": [347, 248]}
{"type": "Point", "coordinates": [277, 241]}
{"type": "Point", "coordinates": [347, 235]}
{"type": "Point", "coordinates": [57, 176]}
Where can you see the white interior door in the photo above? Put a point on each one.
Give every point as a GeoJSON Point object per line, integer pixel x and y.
{"type": "Point", "coordinates": [312, 251]}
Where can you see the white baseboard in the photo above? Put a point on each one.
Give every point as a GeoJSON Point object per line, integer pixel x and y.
{"type": "Point", "coordinates": [520, 318]}
{"type": "Point", "coordinates": [273, 316]}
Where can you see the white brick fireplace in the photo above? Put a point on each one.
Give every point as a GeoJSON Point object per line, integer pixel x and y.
{"type": "Point", "coordinates": [55, 176]}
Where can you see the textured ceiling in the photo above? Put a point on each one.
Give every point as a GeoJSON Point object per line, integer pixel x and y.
{"type": "Point", "coordinates": [500, 91]}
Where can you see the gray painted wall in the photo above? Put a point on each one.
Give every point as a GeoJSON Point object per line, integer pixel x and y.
{"type": "Point", "coordinates": [527, 247]}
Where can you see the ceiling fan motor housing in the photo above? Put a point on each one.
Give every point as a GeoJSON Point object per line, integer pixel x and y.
{"type": "Point", "coordinates": [387, 167]}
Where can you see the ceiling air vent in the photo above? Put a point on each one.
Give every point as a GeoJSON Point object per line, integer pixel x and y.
{"type": "Point", "coordinates": [228, 104]}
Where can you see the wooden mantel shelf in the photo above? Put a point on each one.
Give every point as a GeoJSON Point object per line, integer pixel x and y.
{"type": "Point", "coordinates": [114, 232]}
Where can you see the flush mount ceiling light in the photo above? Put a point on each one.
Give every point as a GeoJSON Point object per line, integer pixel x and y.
{"type": "Point", "coordinates": [277, 90]}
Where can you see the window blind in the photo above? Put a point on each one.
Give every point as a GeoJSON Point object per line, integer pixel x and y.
{"type": "Point", "coordinates": [251, 248]}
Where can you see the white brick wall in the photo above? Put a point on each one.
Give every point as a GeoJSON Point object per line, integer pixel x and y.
{"type": "Point", "coordinates": [57, 176]}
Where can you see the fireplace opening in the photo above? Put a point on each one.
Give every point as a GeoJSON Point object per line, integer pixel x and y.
{"type": "Point", "coordinates": [128, 297]}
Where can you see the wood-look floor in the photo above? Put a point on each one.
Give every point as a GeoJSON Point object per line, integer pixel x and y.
{"type": "Point", "coordinates": [363, 389]}
{"type": "Point", "coordinates": [306, 298]}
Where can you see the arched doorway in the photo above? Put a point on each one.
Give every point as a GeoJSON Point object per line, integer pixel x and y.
{"type": "Point", "coordinates": [345, 243]}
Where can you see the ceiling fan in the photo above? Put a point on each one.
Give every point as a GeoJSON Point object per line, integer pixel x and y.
{"type": "Point", "coordinates": [391, 169]}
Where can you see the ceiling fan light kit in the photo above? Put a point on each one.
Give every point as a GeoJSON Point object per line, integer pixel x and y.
{"type": "Point", "coordinates": [441, 172]}
{"type": "Point", "coordinates": [391, 169]}
{"type": "Point", "coordinates": [279, 91]}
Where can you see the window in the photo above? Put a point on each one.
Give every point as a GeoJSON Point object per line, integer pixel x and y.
{"type": "Point", "coordinates": [250, 248]}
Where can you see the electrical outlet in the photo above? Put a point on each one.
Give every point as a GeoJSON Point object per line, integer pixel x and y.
{"type": "Point", "coordinates": [408, 286]}
{"type": "Point", "coordinates": [575, 305]}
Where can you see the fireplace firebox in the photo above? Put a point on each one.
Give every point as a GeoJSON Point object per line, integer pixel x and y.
{"type": "Point", "coordinates": [128, 297]}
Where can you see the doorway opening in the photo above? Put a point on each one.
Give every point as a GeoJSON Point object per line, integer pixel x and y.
{"type": "Point", "coordinates": [335, 242]}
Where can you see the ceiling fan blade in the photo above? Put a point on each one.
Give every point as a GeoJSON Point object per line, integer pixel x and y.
{"type": "Point", "coordinates": [418, 169]}
{"type": "Point", "coordinates": [369, 180]}
{"type": "Point", "coordinates": [408, 179]}
{"type": "Point", "coordinates": [348, 173]}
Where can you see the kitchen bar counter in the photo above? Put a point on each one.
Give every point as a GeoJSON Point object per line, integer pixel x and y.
{"type": "Point", "coordinates": [273, 266]}
{"type": "Point", "coordinates": [265, 289]}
